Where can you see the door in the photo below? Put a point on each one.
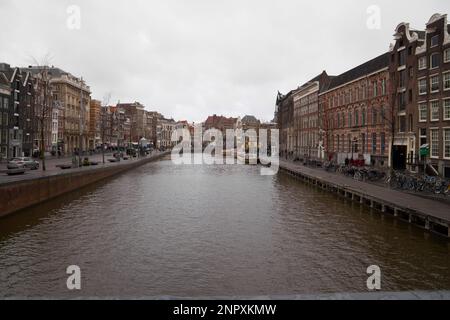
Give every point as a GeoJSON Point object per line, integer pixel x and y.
{"type": "Point", "coordinates": [400, 155]}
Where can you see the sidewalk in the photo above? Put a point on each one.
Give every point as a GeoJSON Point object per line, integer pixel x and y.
{"type": "Point", "coordinates": [52, 169]}
{"type": "Point", "coordinates": [51, 162]}
{"type": "Point", "coordinates": [413, 203]}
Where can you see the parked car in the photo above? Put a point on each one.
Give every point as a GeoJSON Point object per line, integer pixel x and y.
{"type": "Point", "coordinates": [23, 162]}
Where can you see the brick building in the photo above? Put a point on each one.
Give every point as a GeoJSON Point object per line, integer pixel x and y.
{"type": "Point", "coordinates": [356, 108]}
{"type": "Point", "coordinates": [136, 113]}
{"type": "Point", "coordinates": [95, 139]}
{"type": "Point", "coordinates": [404, 86]}
{"type": "Point", "coordinates": [21, 124]}
{"type": "Point", "coordinates": [433, 95]}
{"type": "Point", "coordinates": [284, 117]}
{"type": "Point", "coordinates": [5, 94]}
{"type": "Point", "coordinates": [74, 97]}
{"type": "Point", "coordinates": [420, 73]}
{"type": "Point", "coordinates": [308, 132]}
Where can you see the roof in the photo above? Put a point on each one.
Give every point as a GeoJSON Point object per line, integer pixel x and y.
{"type": "Point", "coordinates": [55, 72]}
{"type": "Point", "coordinates": [214, 120]}
{"type": "Point", "coordinates": [366, 68]}
{"type": "Point", "coordinates": [4, 82]}
{"type": "Point", "coordinates": [250, 119]}
{"type": "Point", "coordinates": [420, 33]}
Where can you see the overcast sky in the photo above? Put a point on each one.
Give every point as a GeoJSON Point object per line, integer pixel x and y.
{"type": "Point", "coordinates": [192, 58]}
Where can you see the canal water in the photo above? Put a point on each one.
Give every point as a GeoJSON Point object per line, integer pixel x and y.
{"type": "Point", "coordinates": [211, 231]}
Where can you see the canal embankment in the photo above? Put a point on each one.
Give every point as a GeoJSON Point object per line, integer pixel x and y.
{"type": "Point", "coordinates": [28, 191]}
{"type": "Point", "coordinates": [431, 215]}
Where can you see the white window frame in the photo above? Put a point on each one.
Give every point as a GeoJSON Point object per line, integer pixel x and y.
{"type": "Point", "coordinates": [447, 51]}
{"type": "Point", "coordinates": [421, 104]}
{"type": "Point", "coordinates": [443, 142]}
{"type": "Point", "coordinates": [431, 142]}
{"type": "Point", "coordinates": [444, 107]}
{"type": "Point", "coordinates": [426, 86]}
{"type": "Point", "coordinates": [431, 111]}
{"type": "Point", "coordinates": [422, 61]}
{"type": "Point", "coordinates": [445, 74]}
{"type": "Point", "coordinates": [431, 60]}
{"type": "Point", "coordinates": [431, 41]}
{"type": "Point", "coordinates": [434, 76]}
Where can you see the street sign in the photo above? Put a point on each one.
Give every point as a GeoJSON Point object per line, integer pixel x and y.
{"type": "Point", "coordinates": [425, 150]}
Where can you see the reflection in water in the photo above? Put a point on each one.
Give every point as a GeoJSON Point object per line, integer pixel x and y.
{"type": "Point", "coordinates": [211, 230]}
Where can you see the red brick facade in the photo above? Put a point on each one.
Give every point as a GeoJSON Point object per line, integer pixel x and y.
{"type": "Point", "coordinates": [356, 114]}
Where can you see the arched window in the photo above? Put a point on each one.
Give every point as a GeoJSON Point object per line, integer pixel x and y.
{"type": "Point", "coordinates": [356, 118]}
{"type": "Point", "coordinates": [363, 115]}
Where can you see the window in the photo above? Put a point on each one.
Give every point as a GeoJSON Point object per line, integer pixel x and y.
{"type": "Point", "coordinates": [446, 80]}
{"type": "Point", "coordinates": [411, 72]}
{"type": "Point", "coordinates": [434, 138]}
{"type": "Point", "coordinates": [434, 116]}
{"type": "Point", "coordinates": [374, 116]}
{"type": "Point", "coordinates": [422, 86]}
{"type": "Point", "coordinates": [383, 86]}
{"type": "Point", "coordinates": [402, 101]}
{"type": "Point", "coordinates": [401, 124]}
{"type": "Point", "coordinates": [363, 116]}
{"type": "Point", "coordinates": [447, 142]}
{"type": "Point", "coordinates": [350, 119]}
{"type": "Point", "coordinates": [374, 143]}
{"type": "Point", "coordinates": [447, 109]}
{"type": "Point", "coordinates": [363, 143]}
{"type": "Point", "coordinates": [375, 88]}
{"type": "Point", "coordinates": [5, 103]}
{"type": "Point", "coordinates": [435, 41]}
{"type": "Point", "coordinates": [356, 118]}
{"type": "Point", "coordinates": [422, 63]}
{"type": "Point", "coordinates": [402, 79]}
{"type": "Point", "coordinates": [434, 83]}
{"type": "Point", "coordinates": [383, 143]}
{"type": "Point", "coordinates": [410, 123]}
{"type": "Point", "coordinates": [434, 60]}
{"type": "Point", "coordinates": [447, 55]}
{"type": "Point", "coordinates": [402, 58]}
{"type": "Point", "coordinates": [423, 112]}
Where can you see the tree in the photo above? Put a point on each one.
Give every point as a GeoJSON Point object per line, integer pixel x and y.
{"type": "Point", "coordinates": [104, 121]}
{"type": "Point", "coordinates": [390, 117]}
{"type": "Point", "coordinates": [44, 105]}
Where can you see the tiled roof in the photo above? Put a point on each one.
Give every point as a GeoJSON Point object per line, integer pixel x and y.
{"type": "Point", "coordinates": [366, 68]}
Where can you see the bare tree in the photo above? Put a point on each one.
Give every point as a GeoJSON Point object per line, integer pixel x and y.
{"type": "Point", "coordinates": [43, 104]}
{"type": "Point", "coordinates": [104, 121]}
{"type": "Point", "coordinates": [390, 117]}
